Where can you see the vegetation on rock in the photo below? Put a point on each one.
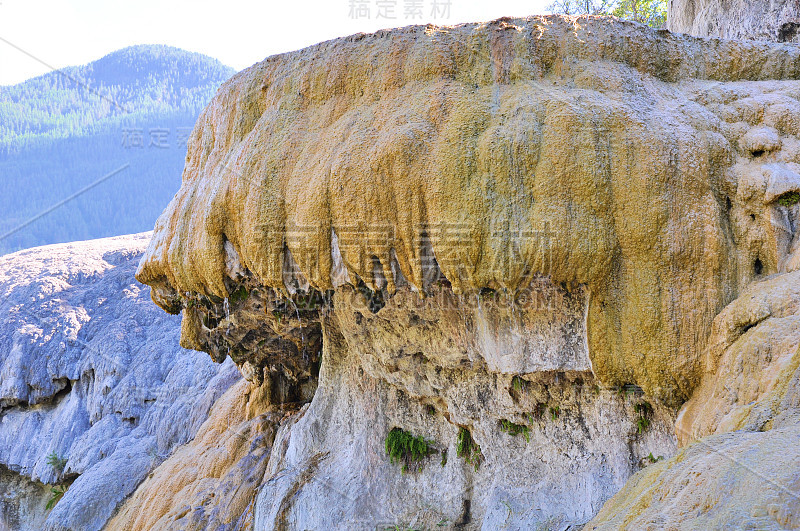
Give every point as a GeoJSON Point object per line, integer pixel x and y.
{"type": "Point", "coordinates": [789, 199]}
{"type": "Point", "coordinates": [407, 450]}
{"type": "Point", "coordinates": [515, 429]}
{"type": "Point", "coordinates": [644, 410]}
{"type": "Point", "coordinates": [56, 493]}
{"type": "Point", "coordinates": [57, 462]}
{"type": "Point", "coordinates": [468, 449]}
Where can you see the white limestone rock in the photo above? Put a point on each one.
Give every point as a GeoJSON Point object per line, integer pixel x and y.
{"type": "Point", "coordinates": [91, 370]}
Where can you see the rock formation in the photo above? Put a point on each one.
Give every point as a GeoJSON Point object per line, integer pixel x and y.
{"type": "Point", "coordinates": [527, 242]}
{"type": "Point", "coordinates": [533, 273]}
{"type": "Point", "coordinates": [91, 374]}
{"type": "Point", "coordinates": [210, 483]}
{"type": "Point", "coordinates": [763, 20]}
{"type": "Point", "coordinates": [743, 423]}
{"type": "Point", "coordinates": [297, 168]}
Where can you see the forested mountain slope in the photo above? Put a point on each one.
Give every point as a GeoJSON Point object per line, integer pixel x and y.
{"type": "Point", "coordinates": [64, 131]}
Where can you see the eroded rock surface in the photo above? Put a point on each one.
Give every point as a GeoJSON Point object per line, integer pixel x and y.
{"type": "Point", "coordinates": [647, 167]}
{"type": "Point", "coordinates": [91, 372]}
{"type": "Point", "coordinates": [211, 482]}
{"type": "Point", "coordinates": [577, 443]}
{"type": "Point", "coordinates": [741, 467]}
{"type": "Point", "coordinates": [529, 242]}
{"type": "Point", "coordinates": [752, 378]}
{"type": "Point", "coordinates": [763, 20]}
{"type": "Point", "coordinates": [744, 480]}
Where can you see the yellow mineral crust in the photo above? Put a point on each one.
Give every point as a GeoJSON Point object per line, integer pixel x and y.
{"type": "Point", "coordinates": [752, 366]}
{"type": "Point", "coordinates": [740, 429]}
{"type": "Point", "coordinates": [209, 482]}
{"type": "Point", "coordinates": [742, 480]}
{"type": "Point", "coordinates": [588, 150]}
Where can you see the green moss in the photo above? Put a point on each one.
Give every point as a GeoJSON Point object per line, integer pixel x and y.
{"type": "Point", "coordinates": [407, 450]}
{"type": "Point", "coordinates": [515, 429]}
{"type": "Point", "coordinates": [518, 384]}
{"type": "Point", "coordinates": [789, 199]}
{"type": "Point", "coordinates": [239, 295]}
{"type": "Point", "coordinates": [467, 449]}
{"type": "Point", "coordinates": [555, 411]}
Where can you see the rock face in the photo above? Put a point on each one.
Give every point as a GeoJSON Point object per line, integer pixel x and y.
{"type": "Point", "coordinates": [741, 427]}
{"type": "Point", "coordinates": [751, 377]}
{"type": "Point", "coordinates": [643, 166]}
{"type": "Point", "coordinates": [92, 372]}
{"type": "Point", "coordinates": [210, 483]}
{"type": "Point", "coordinates": [744, 480]}
{"type": "Point", "coordinates": [528, 242]}
{"type": "Point", "coordinates": [764, 20]}
{"type": "Point", "coordinates": [576, 443]}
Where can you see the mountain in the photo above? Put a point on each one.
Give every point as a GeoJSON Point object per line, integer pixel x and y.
{"type": "Point", "coordinates": [64, 131]}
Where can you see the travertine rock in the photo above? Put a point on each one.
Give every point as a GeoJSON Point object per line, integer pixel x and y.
{"type": "Point", "coordinates": [741, 480]}
{"type": "Point", "coordinates": [484, 230]}
{"type": "Point", "coordinates": [211, 482]}
{"type": "Point", "coordinates": [329, 470]}
{"type": "Point", "coordinates": [742, 466]}
{"type": "Point", "coordinates": [752, 379]}
{"type": "Point", "coordinates": [763, 20]}
{"type": "Point", "coordinates": [22, 501]}
{"type": "Point", "coordinates": [90, 370]}
{"type": "Point", "coordinates": [637, 180]}
{"type": "Point", "coordinates": [640, 164]}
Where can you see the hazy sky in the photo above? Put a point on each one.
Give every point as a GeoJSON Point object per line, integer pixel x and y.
{"type": "Point", "coordinates": [237, 32]}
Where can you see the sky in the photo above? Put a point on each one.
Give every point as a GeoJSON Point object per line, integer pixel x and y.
{"type": "Point", "coordinates": [38, 35]}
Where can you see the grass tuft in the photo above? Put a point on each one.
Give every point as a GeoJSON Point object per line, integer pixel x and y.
{"type": "Point", "coordinates": [645, 411]}
{"type": "Point", "coordinates": [789, 199]}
